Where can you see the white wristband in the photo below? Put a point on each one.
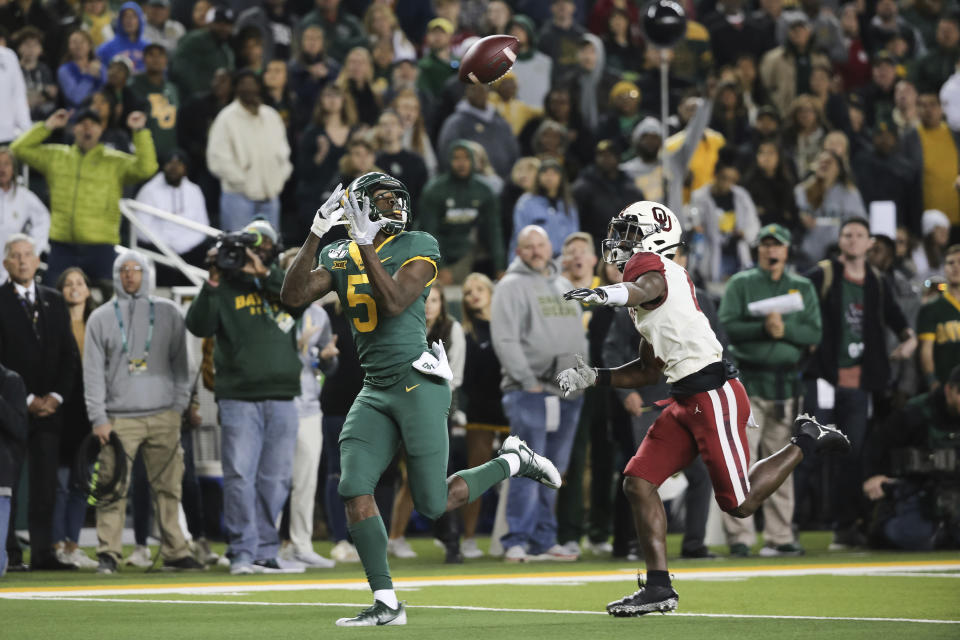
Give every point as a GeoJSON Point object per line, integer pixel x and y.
{"type": "Point", "coordinates": [617, 295]}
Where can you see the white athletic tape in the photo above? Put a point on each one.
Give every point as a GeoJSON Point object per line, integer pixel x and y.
{"type": "Point", "coordinates": [473, 78]}
{"type": "Point", "coordinates": [510, 54]}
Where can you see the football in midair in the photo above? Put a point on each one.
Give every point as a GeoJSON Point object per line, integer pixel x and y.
{"type": "Point", "coordinates": [488, 59]}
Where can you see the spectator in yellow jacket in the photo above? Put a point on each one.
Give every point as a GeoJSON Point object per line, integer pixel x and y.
{"type": "Point", "coordinates": [86, 181]}
{"type": "Point", "coordinates": [504, 100]}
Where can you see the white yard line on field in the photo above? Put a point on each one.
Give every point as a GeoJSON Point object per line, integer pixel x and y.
{"type": "Point", "coordinates": [542, 578]}
{"type": "Point", "coordinates": [499, 609]}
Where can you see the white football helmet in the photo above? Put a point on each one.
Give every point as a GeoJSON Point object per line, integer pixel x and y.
{"type": "Point", "coordinates": [641, 226]}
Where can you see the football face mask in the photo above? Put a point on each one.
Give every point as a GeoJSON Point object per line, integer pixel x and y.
{"type": "Point", "coordinates": [388, 197]}
{"type": "Point", "coordinates": [390, 209]}
{"type": "Point", "coordinates": [624, 238]}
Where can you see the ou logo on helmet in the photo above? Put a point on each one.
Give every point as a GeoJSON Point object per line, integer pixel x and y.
{"type": "Point", "coordinates": [661, 218]}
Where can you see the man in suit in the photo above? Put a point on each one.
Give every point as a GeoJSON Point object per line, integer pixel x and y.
{"type": "Point", "coordinates": [36, 342]}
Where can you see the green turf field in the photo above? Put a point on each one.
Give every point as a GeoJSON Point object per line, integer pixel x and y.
{"type": "Point", "coordinates": [823, 595]}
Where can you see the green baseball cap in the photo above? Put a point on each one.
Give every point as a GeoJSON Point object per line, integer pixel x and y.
{"type": "Point", "coordinates": [776, 231]}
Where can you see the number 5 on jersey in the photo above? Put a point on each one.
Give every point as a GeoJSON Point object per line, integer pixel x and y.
{"type": "Point", "coordinates": [355, 299]}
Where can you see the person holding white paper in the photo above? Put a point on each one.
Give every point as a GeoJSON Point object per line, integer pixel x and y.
{"type": "Point", "coordinates": [769, 351]}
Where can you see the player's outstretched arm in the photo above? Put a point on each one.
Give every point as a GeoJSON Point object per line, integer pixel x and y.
{"type": "Point", "coordinates": [647, 288]}
{"type": "Point", "coordinates": [303, 284]}
{"type": "Point", "coordinates": [638, 373]}
{"type": "Point", "coordinates": [643, 371]}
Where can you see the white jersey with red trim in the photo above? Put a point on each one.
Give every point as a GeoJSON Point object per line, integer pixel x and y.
{"type": "Point", "coordinates": [676, 328]}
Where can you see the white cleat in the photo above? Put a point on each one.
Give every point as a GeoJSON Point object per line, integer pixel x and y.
{"type": "Point", "coordinates": [376, 616]}
{"type": "Point", "coordinates": [532, 465]}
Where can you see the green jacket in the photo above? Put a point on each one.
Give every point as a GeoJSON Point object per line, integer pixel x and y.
{"type": "Point", "coordinates": [254, 358]}
{"type": "Point", "coordinates": [85, 188]}
{"type": "Point", "coordinates": [434, 73]}
{"type": "Point", "coordinates": [450, 208]}
{"type": "Point", "coordinates": [196, 59]}
{"type": "Point", "coordinates": [768, 367]}
{"type": "Point", "coordinates": [932, 70]}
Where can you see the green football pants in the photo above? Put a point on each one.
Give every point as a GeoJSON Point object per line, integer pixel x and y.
{"type": "Point", "coordinates": [413, 411]}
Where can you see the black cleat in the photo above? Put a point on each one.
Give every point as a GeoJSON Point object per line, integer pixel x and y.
{"type": "Point", "coordinates": [826, 438]}
{"type": "Point", "coordinates": [648, 599]}
{"type": "Point", "coordinates": [186, 563]}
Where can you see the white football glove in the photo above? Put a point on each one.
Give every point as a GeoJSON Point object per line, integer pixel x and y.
{"type": "Point", "coordinates": [328, 214]}
{"type": "Point", "coordinates": [578, 378]}
{"type": "Point", "coordinates": [612, 295]}
{"type": "Point", "coordinates": [362, 228]}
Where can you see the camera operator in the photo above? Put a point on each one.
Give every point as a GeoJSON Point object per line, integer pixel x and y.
{"type": "Point", "coordinates": [257, 377]}
{"type": "Point", "coordinates": [913, 474]}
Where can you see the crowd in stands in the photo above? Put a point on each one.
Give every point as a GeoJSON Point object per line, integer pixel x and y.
{"type": "Point", "coordinates": [809, 142]}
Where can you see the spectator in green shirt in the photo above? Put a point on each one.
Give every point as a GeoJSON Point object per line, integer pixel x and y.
{"type": "Point", "coordinates": [436, 65]}
{"type": "Point", "coordinates": [161, 96]}
{"type": "Point", "coordinates": [201, 52]}
{"type": "Point", "coordinates": [769, 349]}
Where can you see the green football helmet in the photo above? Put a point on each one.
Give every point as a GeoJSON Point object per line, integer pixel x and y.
{"type": "Point", "coordinates": [398, 206]}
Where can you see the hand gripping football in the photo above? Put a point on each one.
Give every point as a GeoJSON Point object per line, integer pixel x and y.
{"type": "Point", "coordinates": [488, 59]}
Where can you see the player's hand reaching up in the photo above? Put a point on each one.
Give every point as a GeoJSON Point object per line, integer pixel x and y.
{"type": "Point", "coordinates": [578, 378]}
{"type": "Point", "coordinates": [328, 214]}
{"type": "Point", "coordinates": [362, 228]}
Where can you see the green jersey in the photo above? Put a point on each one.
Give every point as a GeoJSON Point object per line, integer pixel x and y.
{"type": "Point", "coordinates": [851, 334]}
{"type": "Point", "coordinates": [386, 345]}
{"type": "Point", "coordinates": [163, 101]}
{"type": "Point", "coordinates": [939, 322]}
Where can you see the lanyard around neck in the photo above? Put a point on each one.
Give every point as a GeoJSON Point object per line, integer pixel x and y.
{"type": "Point", "coordinates": [123, 333]}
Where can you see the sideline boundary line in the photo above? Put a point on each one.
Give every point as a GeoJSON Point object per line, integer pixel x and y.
{"type": "Point", "coordinates": [700, 573]}
{"type": "Point", "coordinates": [504, 610]}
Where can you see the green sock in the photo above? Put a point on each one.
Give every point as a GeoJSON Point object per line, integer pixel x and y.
{"type": "Point", "coordinates": [481, 478]}
{"type": "Point", "coordinates": [370, 538]}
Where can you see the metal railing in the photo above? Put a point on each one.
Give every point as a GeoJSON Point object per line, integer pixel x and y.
{"type": "Point", "coordinates": [131, 210]}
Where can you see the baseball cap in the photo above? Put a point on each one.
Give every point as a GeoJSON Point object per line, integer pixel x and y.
{"type": "Point", "coordinates": [768, 110]}
{"type": "Point", "coordinates": [608, 145]}
{"type": "Point", "coordinates": [221, 14]}
{"type": "Point", "coordinates": [154, 45]}
{"type": "Point", "coordinates": [886, 124]}
{"type": "Point", "coordinates": [795, 19]}
{"type": "Point", "coordinates": [262, 228]}
{"type": "Point", "coordinates": [624, 87]}
{"type": "Point", "coordinates": [884, 56]}
{"type": "Point", "coordinates": [87, 114]}
{"type": "Point", "coordinates": [443, 24]}
{"type": "Point", "coordinates": [648, 125]}
{"type": "Point", "coordinates": [777, 232]}
{"type": "Point", "coordinates": [123, 59]}
{"type": "Point", "coordinates": [175, 154]}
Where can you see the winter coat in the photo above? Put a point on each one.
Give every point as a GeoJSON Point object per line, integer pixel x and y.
{"type": "Point", "coordinates": [85, 188]}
